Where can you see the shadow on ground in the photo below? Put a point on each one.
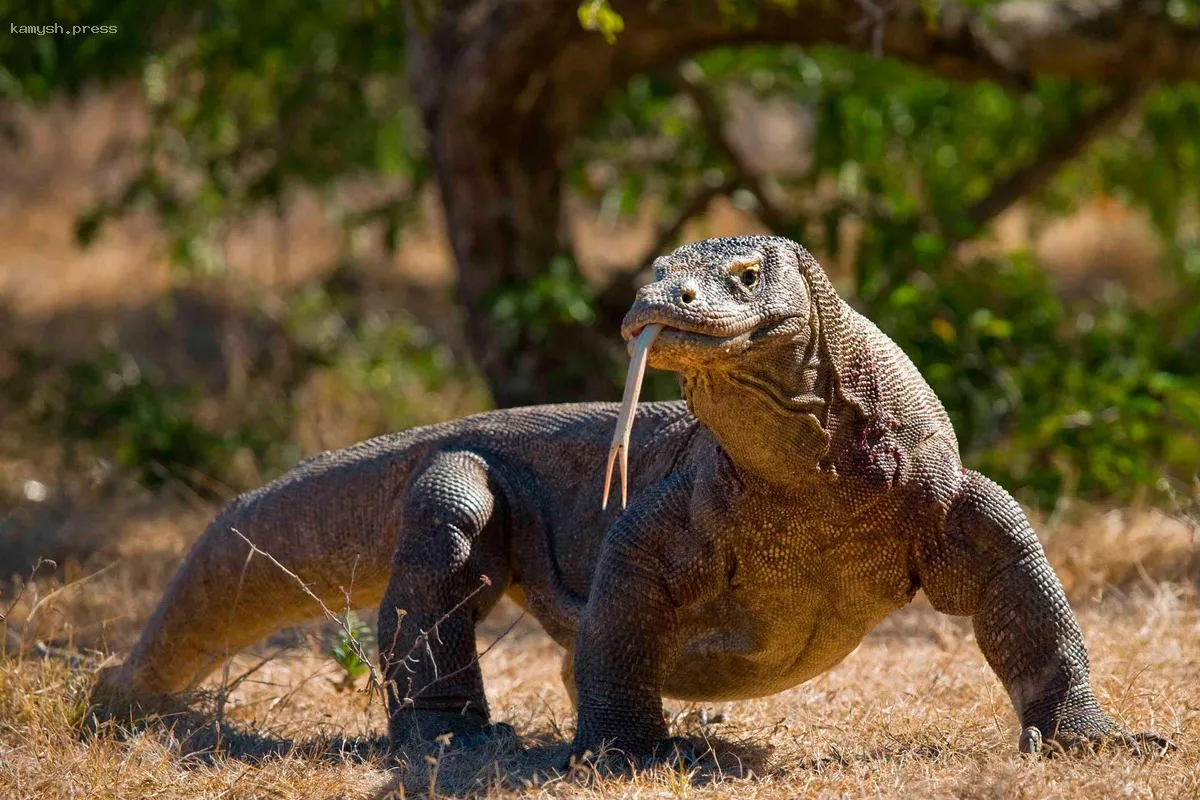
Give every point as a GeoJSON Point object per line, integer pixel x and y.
{"type": "Point", "coordinates": [536, 761]}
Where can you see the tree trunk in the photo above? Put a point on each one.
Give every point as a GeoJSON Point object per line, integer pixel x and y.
{"type": "Point", "coordinates": [504, 89]}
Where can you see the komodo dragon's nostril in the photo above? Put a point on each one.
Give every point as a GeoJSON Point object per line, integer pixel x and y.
{"type": "Point", "coordinates": [687, 293]}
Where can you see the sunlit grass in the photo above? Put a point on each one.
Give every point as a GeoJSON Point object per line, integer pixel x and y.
{"type": "Point", "coordinates": [913, 712]}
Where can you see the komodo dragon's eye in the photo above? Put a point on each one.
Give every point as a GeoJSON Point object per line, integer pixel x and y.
{"type": "Point", "coordinates": [746, 272]}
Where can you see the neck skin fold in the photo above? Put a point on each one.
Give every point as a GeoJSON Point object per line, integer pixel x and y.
{"type": "Point", "coordinates": [770, 412]}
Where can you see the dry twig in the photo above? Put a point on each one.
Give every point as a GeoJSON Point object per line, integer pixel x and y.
{"type": "Point", "coordinates": [375, 683]}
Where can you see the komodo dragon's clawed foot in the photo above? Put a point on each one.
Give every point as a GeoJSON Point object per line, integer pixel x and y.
{"type": "Point", "coordinates": [678, 751]}
{"type": "Point", "coordinates": [1093, 740]}
{"type": "Point", "coordinates": [464, 731]}
{"type": "Point", "coordinates": [673, 751]}
{"type": "Point", "coordinates": [496, 733]}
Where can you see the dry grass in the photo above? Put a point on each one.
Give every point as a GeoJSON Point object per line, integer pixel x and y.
{"type": "Point", "coordinates": [914, 711]}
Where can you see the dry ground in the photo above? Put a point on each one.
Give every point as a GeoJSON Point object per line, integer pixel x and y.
{"type": "Point", "coordinates": [913, 711]}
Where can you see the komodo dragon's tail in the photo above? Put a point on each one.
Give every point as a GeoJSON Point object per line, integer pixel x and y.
{"type": "Point", "coordinates": [329, 522]}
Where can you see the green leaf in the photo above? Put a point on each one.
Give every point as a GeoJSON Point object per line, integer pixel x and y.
{"type": "Point", "coordinates": [597, 15]}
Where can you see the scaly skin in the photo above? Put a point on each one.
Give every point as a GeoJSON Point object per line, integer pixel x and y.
{"type": "Point", "coordinates": [808, 487]}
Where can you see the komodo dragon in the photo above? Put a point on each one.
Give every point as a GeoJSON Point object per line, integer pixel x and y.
{"type": "Point", "coordinates": [808, 486]}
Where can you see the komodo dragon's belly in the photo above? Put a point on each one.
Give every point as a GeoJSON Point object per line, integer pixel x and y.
{"type": "Point", "coordinates": [786, 617]}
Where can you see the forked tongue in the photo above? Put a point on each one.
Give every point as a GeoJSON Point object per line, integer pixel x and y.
{"type": "Point", "coordinates": [633, 387]}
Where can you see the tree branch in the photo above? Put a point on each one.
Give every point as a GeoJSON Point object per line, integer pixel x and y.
{"type": "Point", "coordinates": [1102, 40]}
{"type": "Point", "coordinates": [691, 81]}
{"type": "Point", "coordinates": [1065, 147]}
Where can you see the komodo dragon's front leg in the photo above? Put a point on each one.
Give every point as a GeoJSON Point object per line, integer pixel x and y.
{"type": "Point", "coordinates": [449, 537]}
{"type": "Point", "coordinates": [652, 563]}
{"type": "Point", "coordinates": [987, 563]}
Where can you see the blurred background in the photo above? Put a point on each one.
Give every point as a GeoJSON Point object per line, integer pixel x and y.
{"type": "Point", "coordinates": [234, 233]}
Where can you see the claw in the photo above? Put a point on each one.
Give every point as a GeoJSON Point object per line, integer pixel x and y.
{"type": "Point", "coordinates": [1030, 742]}
{"type": "Point", "coordinates": [1075, 742]}
{"type": "Point", "coordinates": [633, 387]}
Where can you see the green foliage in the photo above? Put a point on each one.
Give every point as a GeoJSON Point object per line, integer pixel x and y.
{"type": "Point", "coordinates": [37, 66]}
{"type": "Point", "coordinates": [247, 98]}
{"type": "Point", "coordinates": [1101, 402]}
{"type": "Point", "coordinates": [107, 406]}
{"type": "Point", "coordinates": [597, 15]}
{"type": "Point", "coordinates": [1097, 397]}
{"type": "Point", "coordinates": [344, 650]}
{"type": "Point", "coordinates": [1158, 167]}
{"type": "Point", "coordinates": [537, 307]}
{"type": "Point", "coordinates": [393, 372]}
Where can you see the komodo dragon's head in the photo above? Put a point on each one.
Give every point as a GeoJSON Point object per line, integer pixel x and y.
{"type": "Point", "coordinates": [752, 325]}
{"type": "Point", "coordinates": [720, 300]}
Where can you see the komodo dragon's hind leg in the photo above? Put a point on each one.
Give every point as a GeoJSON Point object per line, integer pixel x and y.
{"type": "Point", "coordinates": [450, 535]}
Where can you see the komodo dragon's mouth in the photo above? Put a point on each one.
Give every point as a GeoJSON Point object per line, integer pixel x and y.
{"type": "Point", "coordinates": [641, 335]}
{"type": "Point", "coordinates": [681, 332]}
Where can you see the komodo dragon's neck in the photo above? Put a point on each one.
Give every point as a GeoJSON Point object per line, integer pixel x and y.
{"type": "Point", "coordinates": [775, 414]}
